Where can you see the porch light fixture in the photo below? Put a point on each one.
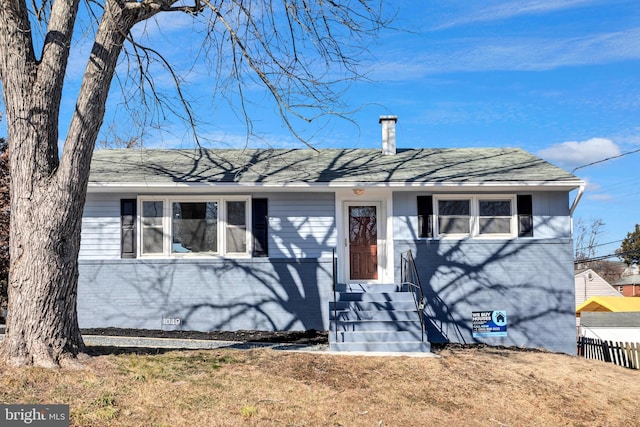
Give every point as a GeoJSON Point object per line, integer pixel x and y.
{"type": "Point", "coordinates": [358, 191]}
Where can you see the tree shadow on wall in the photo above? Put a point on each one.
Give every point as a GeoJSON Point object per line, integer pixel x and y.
{"type": "Point", "coordinates": [530, 280]}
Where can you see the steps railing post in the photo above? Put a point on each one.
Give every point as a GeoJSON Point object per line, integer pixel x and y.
{"type": "Point", "coordinates": [335, 298]}
{"type": "Point", "coordinates": [409, 277]}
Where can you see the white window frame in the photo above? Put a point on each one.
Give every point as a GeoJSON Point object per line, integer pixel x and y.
{"type": "Point", "coordinates": [513, 223]}
{"type": "Point", "coordinates": [474, 201]}
{"type": "Point", "coordinates": [167, 231]}
{"type": "Point", "coordinates": [436, 219]}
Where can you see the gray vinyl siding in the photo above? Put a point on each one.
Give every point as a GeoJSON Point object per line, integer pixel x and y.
{"type": "Point", "coordinates": [301, 225]}
{"type": "Point", "coordinates": [101, 226]}
{"type": "Point", "coordinates": [214, 294]}
{"type": "Point", "coordinates": [551, 217]}
{"type": "Point", "coordinates": [531, 279]}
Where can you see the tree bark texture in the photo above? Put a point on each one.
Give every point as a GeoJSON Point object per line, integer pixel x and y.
{"type": "Point", "coordinates": [48, 193]}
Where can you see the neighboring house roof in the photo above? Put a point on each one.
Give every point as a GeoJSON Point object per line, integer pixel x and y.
{"type": "Point", "coordinates": [611, 320]}
{"type": "Point", "coordinates": [633, 279]}
{"type": "Point", "coordinates": [613, 304]}
{"type": "Point", "coordinates": [458, 166]}
{"type": "Point", "coordinates": [589, 284]}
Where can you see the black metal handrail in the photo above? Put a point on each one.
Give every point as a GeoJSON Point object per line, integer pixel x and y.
{"type": "Point", "coordinates": [409, 278]}
{"type": "Point", "coordinates": [335, 297]}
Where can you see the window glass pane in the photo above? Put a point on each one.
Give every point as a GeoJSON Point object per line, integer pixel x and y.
{"type": "Point", "coordinates": [495, 207]}
{"type": "Point", "coordinates": [236, 231]}
{"type": "Point", "coordinates": [452, 225]}
{"type": "Point", "coordinates": [454, 216]}
{"type": "Point", "coordinates": [495, 225]}
{"type": "Point", "coordinates": [495, 216]}
{"type": "Point", "coordinates": [454, 207]}
{"type": "Point", "coordinates": [194, 227]}
{"type": "Point", "coordinates": [152, 240]}
{"type": "Point", "coordinates": [236, 239]}
{"type": "Point", "coordinates": [236, 213]}
{"type": "Point", "coordinates": [152, 213]}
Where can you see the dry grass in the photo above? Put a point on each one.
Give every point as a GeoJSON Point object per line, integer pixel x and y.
{"type": "Point", "coordinates": [479, 386]}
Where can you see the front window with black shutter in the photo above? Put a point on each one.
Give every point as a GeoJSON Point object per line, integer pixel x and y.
{"type": "Point", "coordinates": [481, 216]}
{"type": "Point", "coordinates": [192, 226]}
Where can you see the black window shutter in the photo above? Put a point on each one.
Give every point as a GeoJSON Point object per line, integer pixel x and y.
{"type": "Point", "coordinates": [525, 216]}
{"type": "Point", "coordinates": [425, 216]}
{"type": "Point", "coordinates": [259, 227]}
{"type": "Point", "coordinates": [128, 228]}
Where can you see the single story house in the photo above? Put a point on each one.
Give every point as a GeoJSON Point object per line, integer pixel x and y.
{"type": "Point", "coordinates": [205, 239]}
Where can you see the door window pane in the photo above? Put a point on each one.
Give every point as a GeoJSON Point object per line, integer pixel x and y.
{"type": "Point", "coordinates": [362, 225]}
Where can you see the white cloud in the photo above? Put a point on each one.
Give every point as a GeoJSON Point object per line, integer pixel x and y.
{"type": "Point", "coordinates": [601, 197]}
{"type": "Point", "coordinates": [504, 10]}
{"type": "Point", "coordinates": [509, 54]}
{"type": "Point", "coordinates": [579, 153]}
{"type": "Point", "coordinates": [592, 186]}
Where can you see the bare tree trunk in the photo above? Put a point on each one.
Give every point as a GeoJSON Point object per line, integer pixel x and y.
{"type": "Point", "coordinates": [48, 194]}
{"type": "Point", "coordinates": [42, 327]}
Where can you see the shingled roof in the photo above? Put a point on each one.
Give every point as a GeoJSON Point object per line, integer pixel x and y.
{"type": "Point", "coordinates": [282, 166]}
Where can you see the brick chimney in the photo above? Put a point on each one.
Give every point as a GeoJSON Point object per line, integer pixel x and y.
{"type": "Point", "coordinates": [388, 134]}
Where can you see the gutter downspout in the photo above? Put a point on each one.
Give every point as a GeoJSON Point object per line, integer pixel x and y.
{"type": "Point", "coordinates": [574, 205]}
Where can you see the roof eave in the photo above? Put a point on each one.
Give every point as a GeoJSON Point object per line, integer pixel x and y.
{"type": "Point", "coordinates": [109, 187]}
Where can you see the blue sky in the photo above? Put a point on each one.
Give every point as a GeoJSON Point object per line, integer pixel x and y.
{"type": "Point", "coordinates": [559, 78]}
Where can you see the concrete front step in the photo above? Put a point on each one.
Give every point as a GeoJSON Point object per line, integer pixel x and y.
{"type": "Point", "coordinates": [372, 305]}
{"type": "Point", "coordinates": [388, 346]}
{"type": "Point", "coordinates": [366, 287]}
{"type": "Point", "coordinates": [375, 318]}
{"type": "Point", "coordinates": [375, 325]}
{"type": "Point", "coordinates": [375, 336]}
{"type": "Point", "coordinates": [375, 296]}
{"type": "Point", "coordinates": [390, 315]}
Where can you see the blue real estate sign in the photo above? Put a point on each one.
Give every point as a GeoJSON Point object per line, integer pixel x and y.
{"type": "Point", "coordinates": [489, 323]}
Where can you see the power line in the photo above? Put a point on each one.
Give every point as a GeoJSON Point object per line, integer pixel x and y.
{"type": "Point", "coordinates": [605, 244]}
{"type": "Point", "coordinates": [603, 257]}
{"type": "Point", "coordinates": [604, 160]}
